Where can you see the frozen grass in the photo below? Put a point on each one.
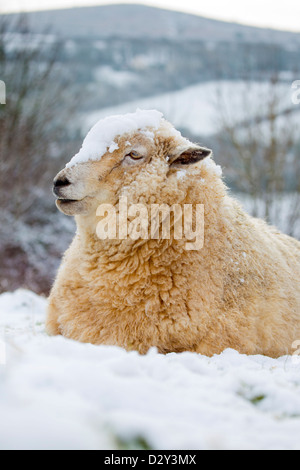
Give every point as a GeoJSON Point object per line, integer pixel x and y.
{"type": "Point", "coordinates": [59, 394]}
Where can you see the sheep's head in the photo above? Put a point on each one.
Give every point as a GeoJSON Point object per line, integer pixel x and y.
{"type": "Point", "coordinates": [136, 155]}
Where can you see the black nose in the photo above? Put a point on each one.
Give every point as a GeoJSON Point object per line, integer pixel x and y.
{"type": "Point", "coordinates": [59, 184]}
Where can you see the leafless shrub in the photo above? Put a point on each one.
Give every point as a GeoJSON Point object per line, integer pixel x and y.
{"type": "Point", "coordinates": [260, 144]}
{"type": "Point", "coordinates": [40, 104]}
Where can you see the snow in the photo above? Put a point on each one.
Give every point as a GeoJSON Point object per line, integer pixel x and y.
{"type": "Point", "coordinates": [101, 137]}
{"type": "Point", "coordinates": [181, 174]}
{"type": "Point", "coordinates": [117, 78]}
{"type": "Point", "coordinates": [197, 107]}
{"type": "Point", "coordinates": [59, 394]}
{"type": "Point", "coordinates": [213, 167]}
{"type": "Point", "coordinates": [17, 42]}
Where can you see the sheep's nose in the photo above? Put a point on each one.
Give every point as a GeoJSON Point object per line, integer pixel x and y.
{"type": "Point", "coordinates": [60, 183]}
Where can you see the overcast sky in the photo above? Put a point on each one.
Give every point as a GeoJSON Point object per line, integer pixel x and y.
{"type": "Point", "coordinates": [281, 14]}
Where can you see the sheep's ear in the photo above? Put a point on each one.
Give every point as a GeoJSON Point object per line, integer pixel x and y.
{"type": "Point", "coordinates": [191, 156]}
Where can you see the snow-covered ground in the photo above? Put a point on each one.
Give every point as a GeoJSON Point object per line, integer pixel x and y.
{"type": "Point", "coordinates": [59, 394]}
{"type": "Point", "coordinates": [117, 78]}
{"type": "Point", "coordinates": [197, 108]}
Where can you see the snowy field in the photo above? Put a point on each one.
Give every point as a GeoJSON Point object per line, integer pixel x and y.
{"type": "Point", "coordinates": [59, 394]}
{"type": "Point", "coordinates": [197, 107]}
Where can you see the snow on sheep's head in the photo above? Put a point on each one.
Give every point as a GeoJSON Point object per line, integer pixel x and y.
{"type": "Point", "coordinates": [135, 155]}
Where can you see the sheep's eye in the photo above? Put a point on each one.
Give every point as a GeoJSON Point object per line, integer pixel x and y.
{"type": "Point", "coordinates": [134, 155]}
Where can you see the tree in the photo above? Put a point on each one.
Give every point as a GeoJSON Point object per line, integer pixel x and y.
{"type": "Point", "coordinates": [260, 142]}
{"type": "Point", "coordinates": [34, 143]}
{"type": "Point", "coordinates": [33, 120]}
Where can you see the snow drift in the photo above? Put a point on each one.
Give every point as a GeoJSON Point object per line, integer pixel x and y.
{"type": "Point", "coordinates": [59, 394]}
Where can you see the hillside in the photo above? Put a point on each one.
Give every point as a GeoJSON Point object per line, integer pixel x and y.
{"type": "Point", "coordinates": [128, 21]}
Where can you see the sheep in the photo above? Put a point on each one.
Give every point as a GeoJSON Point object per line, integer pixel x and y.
{"type": "Point", "coordinates": [240, 291]}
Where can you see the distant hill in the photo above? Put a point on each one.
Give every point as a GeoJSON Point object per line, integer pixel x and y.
{"type": "Point", "coordinates": [117, 54]}
{"type": "Point", "coordinates": [138, 21]}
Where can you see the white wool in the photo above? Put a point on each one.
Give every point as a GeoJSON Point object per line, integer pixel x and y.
{"type": "Point", "coordinates": [181, 174]}
{"type": "Point", "coordinates": [211, 165]}
{"type": "Point", "coordinates": [101, 138]}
